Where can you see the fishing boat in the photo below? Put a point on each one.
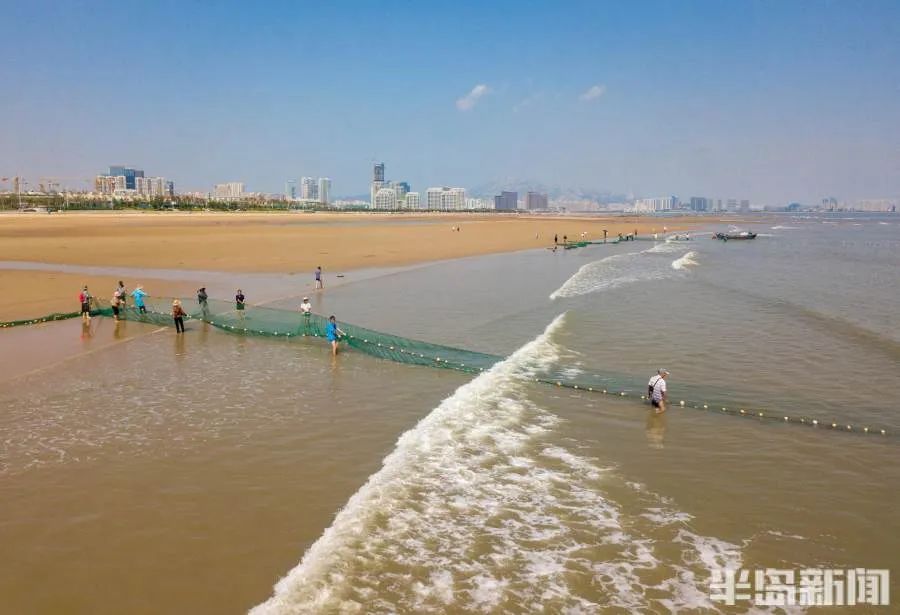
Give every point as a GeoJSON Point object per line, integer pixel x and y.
{"type": "Point", "coordinates": [740, 235]}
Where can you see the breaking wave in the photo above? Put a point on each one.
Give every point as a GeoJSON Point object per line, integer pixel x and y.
{"type": "Point", "coordinates": [621, 269]}
{"type": "Point", "coordinates": [688, 260]}
{"type": "Point", "coordinates": [481, 509]}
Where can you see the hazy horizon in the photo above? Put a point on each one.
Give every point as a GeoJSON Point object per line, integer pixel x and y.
{"type": "Point", "coordinates": [772, 102]}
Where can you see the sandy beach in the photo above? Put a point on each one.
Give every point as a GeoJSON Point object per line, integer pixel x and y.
{"type": "Point", "coordinates": [272, 243]}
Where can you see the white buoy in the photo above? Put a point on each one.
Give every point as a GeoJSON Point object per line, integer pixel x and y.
{"type": "Point", "coordinates": [682, 402]}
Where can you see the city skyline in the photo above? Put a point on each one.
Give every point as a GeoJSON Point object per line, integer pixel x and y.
{"type": "Point", "coordinates": [766, 100]}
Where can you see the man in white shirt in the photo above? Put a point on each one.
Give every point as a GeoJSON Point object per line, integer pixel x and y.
{"type": "Point", "coordinates": [306, 307]}
{"type": "Point", "coordinates": [658, 396]}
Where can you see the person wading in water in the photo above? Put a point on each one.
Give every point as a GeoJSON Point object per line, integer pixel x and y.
{"type": "Point", "coordinates": [657, 390]}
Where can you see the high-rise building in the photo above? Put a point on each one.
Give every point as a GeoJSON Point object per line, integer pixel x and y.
{"type": "Point", "coordinates": [377, 182]}
{"type": "Point", "coordinates": [744, 206]}
{"type": "Point", "coordinates": [412, 200]}
{"type": "Point", "coordinates": [151, 186]}
{"type": "Point", "coordinates": [535, 200]}
{"type": "Point", "coordinates": [506, 201]}
{"type": "Point", "coordinates": [309, 189]}
{"type": "Point", "coordinates": [230, 191]}
{"type": "Point", "coordinates": [130, 174]}
{"type": "Point", "coordinates": [385, 198]}
{"type": "Point", "coordinates": [290, 189]}
{"type": "Point", "coordinates": [402, 188]}
{"type": "Point", "coordinates": [664, 203]}
{"type": "Point", "coordinates": [324, 190]}
{"type": "Point", "coordinates": [170, 188]}
{"type": "Point", "coordinates": [446, 199]}
{"type": "Point", "coordinates": [699, 203]}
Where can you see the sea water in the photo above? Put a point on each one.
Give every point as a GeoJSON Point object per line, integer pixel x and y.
{"type": "Point", "coordinates": [196, 473]}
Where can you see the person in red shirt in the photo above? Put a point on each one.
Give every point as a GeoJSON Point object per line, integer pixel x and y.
{"type": "Point", "coordinates": [85, 298]}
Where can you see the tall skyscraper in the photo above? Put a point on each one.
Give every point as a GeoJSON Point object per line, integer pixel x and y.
{"type": "Point", "coordinates": [324, 190]}
{"type": "Point", "coordinates": [290, 189]}
{"type": "Point", "coordinates": [506, 201]}
{"type": "Point", "coordinates": [535, 200]}
{"type": "Point", "coordinates": [377, 182]}
{"type": "Point", "coordinates": [402, 188]}
{"type": "Point", "coordinates": [309, 189]}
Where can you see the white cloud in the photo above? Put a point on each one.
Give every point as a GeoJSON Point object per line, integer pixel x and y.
{"type": "Point", "coordinates": [467, 102]}
{"type": "Point", "coordinates": [594, 92]}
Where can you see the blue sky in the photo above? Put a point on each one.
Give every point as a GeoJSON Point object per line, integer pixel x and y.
{"type": "Point", "coordinates": [772, 101]}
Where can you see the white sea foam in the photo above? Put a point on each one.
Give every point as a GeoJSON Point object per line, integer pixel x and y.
{"type": "Point", "coordinates": [779, 227]}
{"type": "Point", "coordinates": [477, 511]}
{"type": "Point", "coordinates": [618, 270]}
{"type": "Point", "coordinates": [688, 260]}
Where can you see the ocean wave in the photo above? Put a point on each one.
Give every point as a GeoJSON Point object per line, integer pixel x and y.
{"type": "Point", "coordinates": [620, 269]}
{"type": "Point", "coordinates": [785, 228]}
{"type": "Point", "coordinates": [688, 260]}
{"type": "Point", "coordinates": [480, 509]}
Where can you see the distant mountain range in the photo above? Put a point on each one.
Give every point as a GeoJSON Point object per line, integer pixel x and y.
{"type": "Point", "coordinates": [556, 192]}
{"type": "Point", "coordinates": [489, 189]}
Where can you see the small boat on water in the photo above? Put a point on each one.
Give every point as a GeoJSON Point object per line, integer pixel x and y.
{"type": "Point", "coordinates": [740, 235]}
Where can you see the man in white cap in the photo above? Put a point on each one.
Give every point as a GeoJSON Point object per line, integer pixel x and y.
{"type": "Point", "coordinates": [306, 307]}
{"type": "Point", "coordinates": [658, 396]}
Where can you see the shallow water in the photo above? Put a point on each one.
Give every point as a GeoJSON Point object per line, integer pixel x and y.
{"type": "Point", "coordinates": [189, 474]}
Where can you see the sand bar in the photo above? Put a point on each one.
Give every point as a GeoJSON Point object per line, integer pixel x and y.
{"type": "Point", "coordinates": [271, 243]}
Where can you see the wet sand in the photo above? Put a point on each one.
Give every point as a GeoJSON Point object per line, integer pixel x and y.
{"type": "Point", "coordinates": [274, 243]}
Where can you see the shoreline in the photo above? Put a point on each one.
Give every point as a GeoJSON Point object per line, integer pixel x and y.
{"type": "Point", "coordinates": [272, 244]}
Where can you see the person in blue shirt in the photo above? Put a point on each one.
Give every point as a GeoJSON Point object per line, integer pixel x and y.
{"type": "Point", "coordinates": [139, 294]}
{"type": "Point", "coordinates": [333, 333]}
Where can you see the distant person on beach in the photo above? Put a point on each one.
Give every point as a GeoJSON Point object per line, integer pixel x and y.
{"type": "Point", "coordinates": [565, 239]}
{"type": "Point", "coordinates": [319, 284]}
{"type": "Point", "coordinates": [555, 239]}
{"type": "Point", "coordinates": [178, 315]}
{"type": "Point", "coordinates": [139, 294]}
{"type": "Point", "coordinates": [658, 396]}
{"type": "Point", "coordinates": [333, 333]}
{"type": "Point", "coordinates": [84, 297]}
{"type": "Point", "coordinates": [203, 301]}
{"type": "Point", "coordinates": [239, 302]}
{"type": "Point", "coordinates": [123, 294]}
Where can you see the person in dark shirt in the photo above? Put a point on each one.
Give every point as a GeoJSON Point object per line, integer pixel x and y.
{"type": "Point", "coordinates": [239, 302]}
